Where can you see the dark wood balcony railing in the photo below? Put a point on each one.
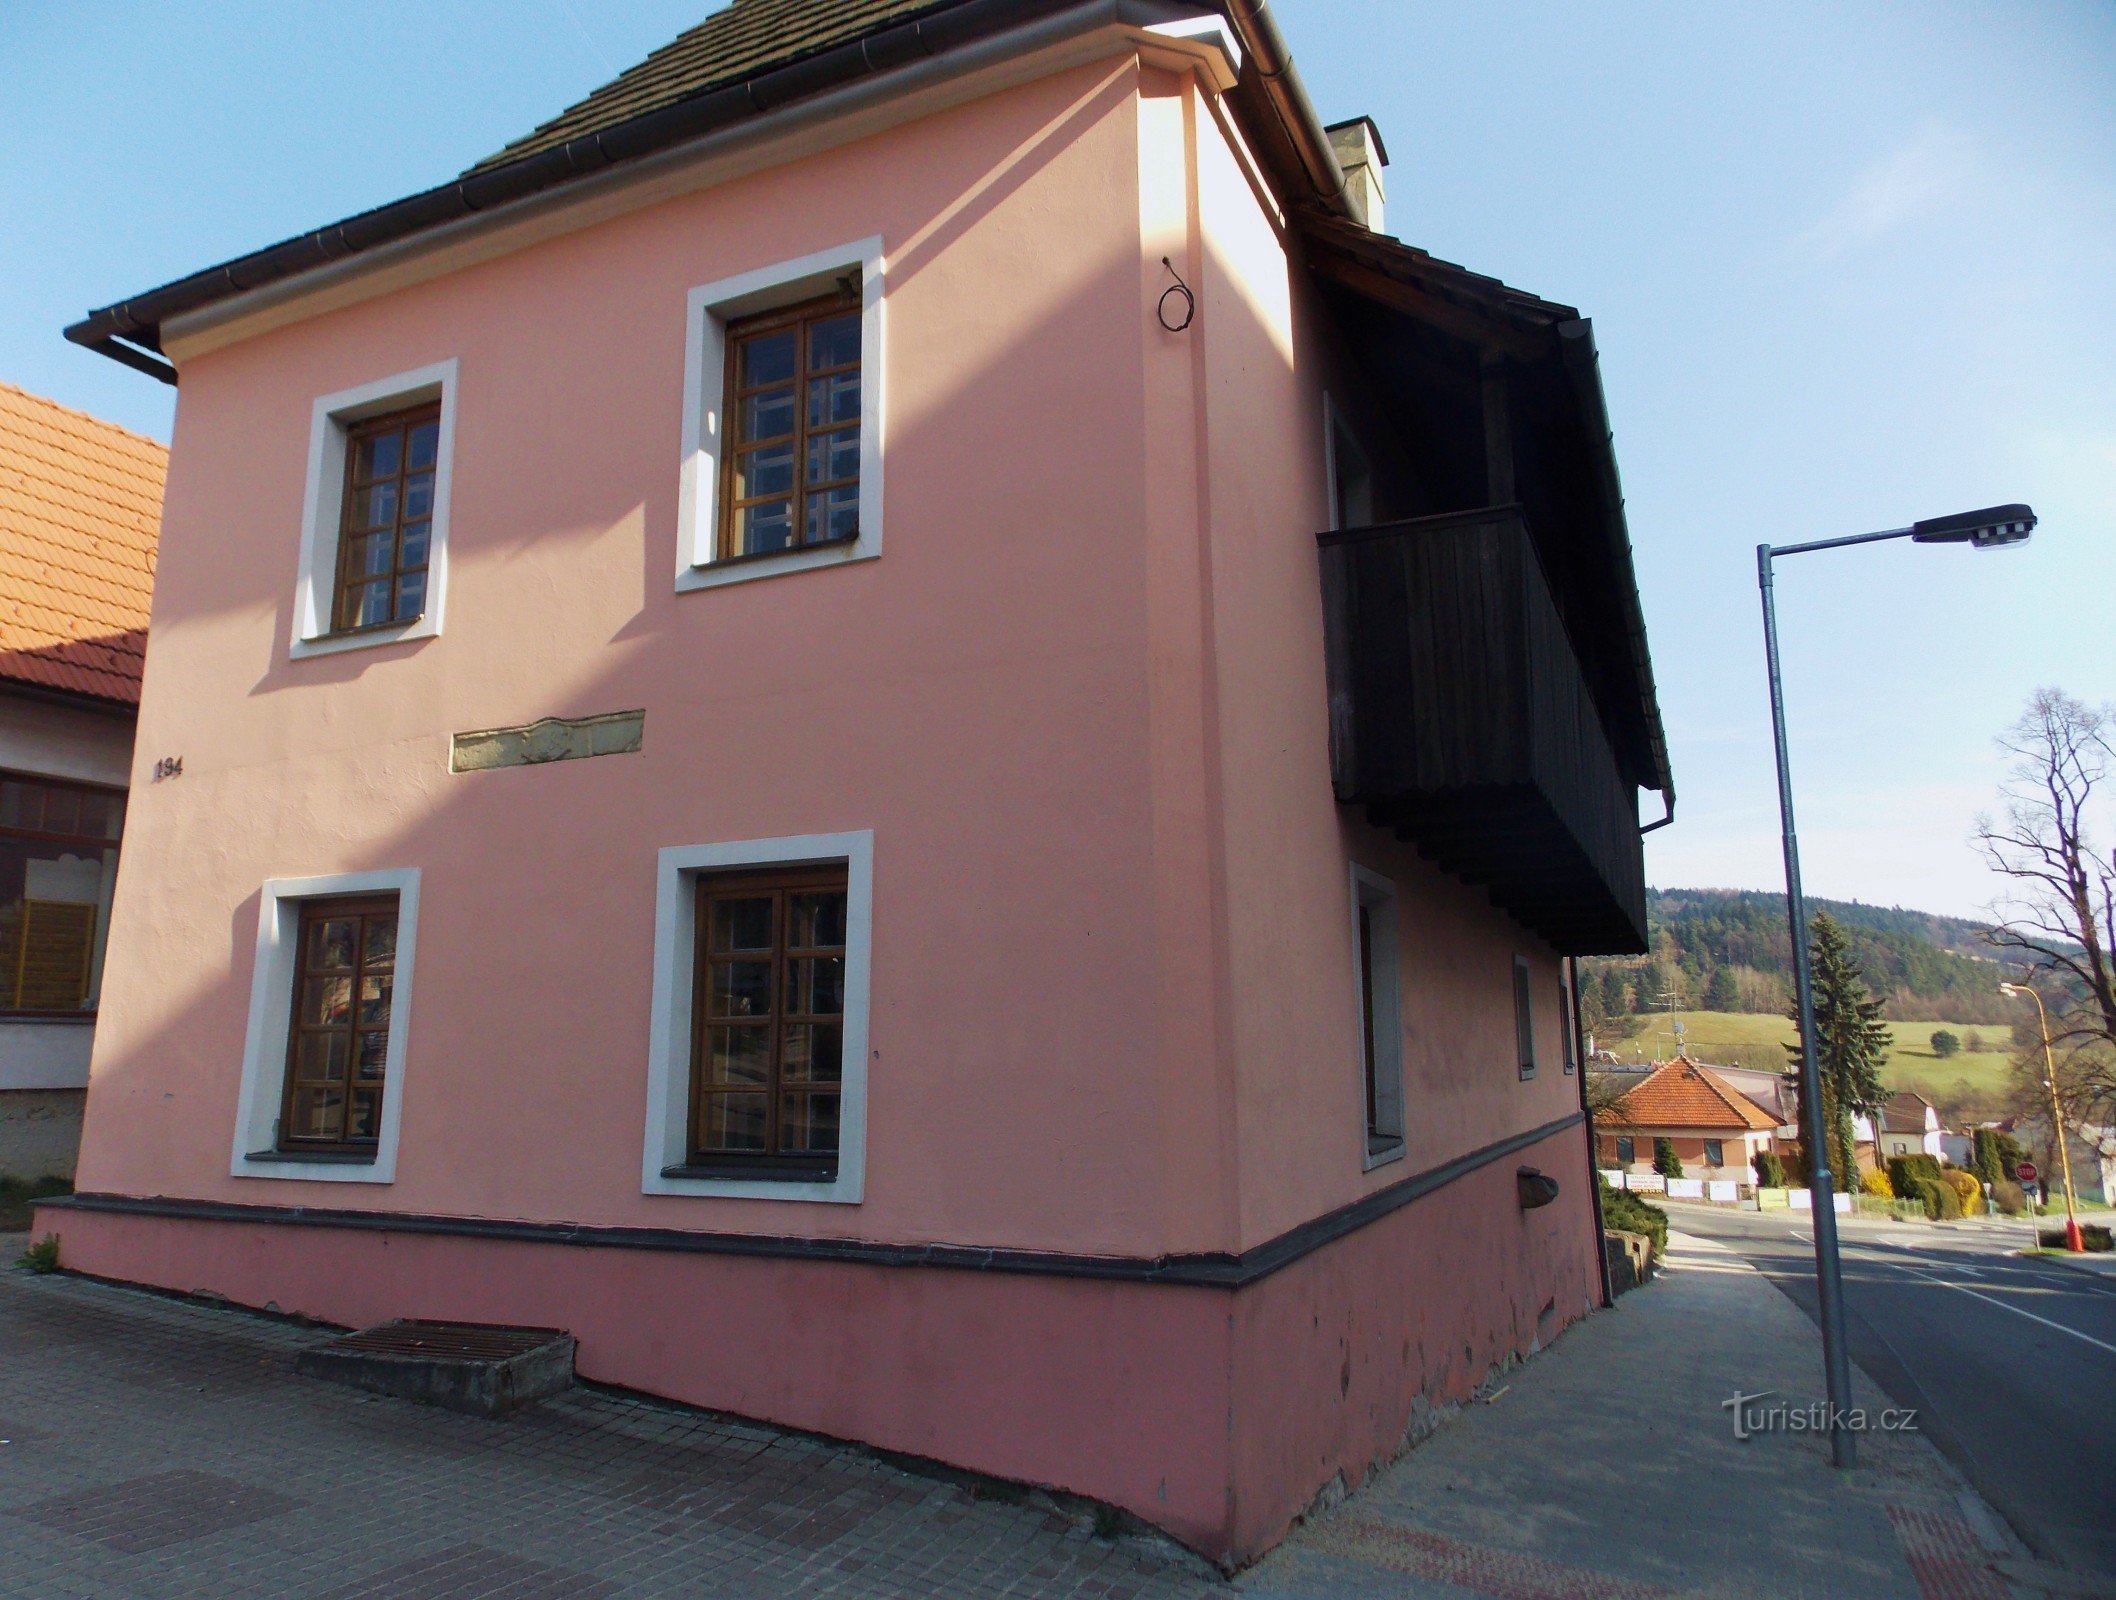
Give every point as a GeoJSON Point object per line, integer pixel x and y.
{"type": "Point", "coordinates": [1459, 717]}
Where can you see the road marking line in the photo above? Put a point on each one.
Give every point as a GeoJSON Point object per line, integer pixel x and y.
{"type": "Point", "coordinates": [1977, 1294]}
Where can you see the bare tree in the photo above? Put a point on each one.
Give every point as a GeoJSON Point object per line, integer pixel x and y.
{"type": "Point", "coordinates": [2061, 916]}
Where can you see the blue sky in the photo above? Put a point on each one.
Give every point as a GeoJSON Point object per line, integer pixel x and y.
{"type": "Point", "coordinates": [1849, 265]}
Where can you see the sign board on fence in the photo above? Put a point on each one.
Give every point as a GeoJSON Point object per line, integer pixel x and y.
{"type": "Point", "coordinates": [2027, 1171]}
{"type": "Point", "coordinates": [1646, 1182]}
{"type": "Point", "coordinates": [1686, 1188]}
{"type": "Point", "coordinates": [1614, 1178]}
{"type": "Point", "coordinates": [1800, 1199]}
{"type": "Point", "coordinates": [1722, 1191]}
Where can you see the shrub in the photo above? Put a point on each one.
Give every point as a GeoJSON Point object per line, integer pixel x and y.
{"type": "Point", "coordinates": [43, 1256]}
{"type": "Point", "coordinates": [2093, 1235]}
{"type": "Point", "coordinates": [2009, 1197]}
{"type": "Point", "coordinates": [1624, 1210]}
{"type": "Point", "coordinates": [1942, 1204]}
{"type": "Point", "coordinates": [1903, 1171]}
{"type": "Point", "coordinates": [1966, 1189]}
{"type": "Point", "coordinates": [1974, 1041]}
{"type": "Point", "coordinates": [1985, 1160]}
{"type": "Point", "coordinates": [1945, 1044]}
{"type": "Point", "coordinates": [1876, 1183]}
{"type": "Point", "coordinates": [1770, 1169]}
{"type": "Point", "coordinates": [1665, 1161]}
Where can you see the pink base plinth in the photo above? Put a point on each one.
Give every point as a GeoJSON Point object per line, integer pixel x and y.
{"type": "Point", "coordinates": [1216, 1414]}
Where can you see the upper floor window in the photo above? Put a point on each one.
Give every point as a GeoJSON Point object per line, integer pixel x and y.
{"type": "Point", "coordinates": [385, 535]}
{"type": "Point", "coordinates": [783, 414]}
{"type": "Point", "coordinates": [374, 518]}
{"type": "Point", "coordinates": [792, 477]}
{"type": "Point", "coordinates": [58, 862]}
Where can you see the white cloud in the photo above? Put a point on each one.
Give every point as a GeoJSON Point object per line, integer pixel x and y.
{"type": "Point", "coordinates": [1900, 187]}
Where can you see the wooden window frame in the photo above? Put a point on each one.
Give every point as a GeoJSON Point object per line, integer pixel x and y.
{"type": "Point", "coordinates": [310, 913]}
{"type": "Point", "coordinates": [1622, 1158]}
{"type": "Point", "coordinates": [345, 584]}
{"type": "Point", "coordinates": [771, 1162]}
{"type": "Point", "coordinates": [801, 316]}
{"type": "Point", "coordinates": [1719, 1160]}
{"type": "Point", "coordinates": [86, 841]}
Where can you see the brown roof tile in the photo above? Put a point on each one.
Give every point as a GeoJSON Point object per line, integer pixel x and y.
{"type": "Point", "coordinates": [731, 44]}
{"type": "Point", "coordinates": [80, 509]}
{"type": "Point", "coordinates": [1683, 1094]}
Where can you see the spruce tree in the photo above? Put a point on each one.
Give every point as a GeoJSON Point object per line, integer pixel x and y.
{"type": "Point", "coordinates": [1853, 1045]}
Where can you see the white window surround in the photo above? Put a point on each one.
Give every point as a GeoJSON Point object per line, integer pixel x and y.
{"type": "Point", "coordinates": [264, 1052]}
{"type": "Point", "coordinates": [711, 307]}
{"type": "Point", "coordinates": [1376, 895]}
{"type": "Point", "coordinates": [322, 506]}
{"type": "Point", "coordinates": [669, 1037]}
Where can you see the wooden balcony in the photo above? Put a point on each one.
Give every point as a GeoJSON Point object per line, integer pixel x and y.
{"type": "Point", "coordinates": [1460, 718]}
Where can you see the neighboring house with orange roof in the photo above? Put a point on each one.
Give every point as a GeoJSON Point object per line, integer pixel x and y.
{"type": "Point", "coordinates": [1717, 1130]}
{"type": "Point", "coordinates": [80, 509]}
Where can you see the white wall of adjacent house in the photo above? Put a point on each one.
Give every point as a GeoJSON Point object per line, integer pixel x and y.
{"type": "Point", "coordinates": [45, 739]}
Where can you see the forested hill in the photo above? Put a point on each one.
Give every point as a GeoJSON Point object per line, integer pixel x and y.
{"type": "Point", "coordinates": [1726, 950]}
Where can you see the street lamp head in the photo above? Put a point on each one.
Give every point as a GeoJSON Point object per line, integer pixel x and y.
{"type": "Point", "coordinates": [1987, 529]}
{"type": "Point", "coordinates": [2008, 990]}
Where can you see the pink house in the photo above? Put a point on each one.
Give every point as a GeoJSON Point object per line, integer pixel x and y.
{"type": "Point", "coordinates": [897, 722]}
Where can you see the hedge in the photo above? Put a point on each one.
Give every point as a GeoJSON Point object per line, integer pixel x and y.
{"type": "Point", "coordinates": [1626, 1211]}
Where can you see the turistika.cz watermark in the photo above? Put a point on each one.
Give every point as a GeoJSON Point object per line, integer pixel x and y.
{"type": "Point", "coordinates": [1763, 1412]}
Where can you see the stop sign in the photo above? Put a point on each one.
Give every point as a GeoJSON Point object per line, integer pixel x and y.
{"type": "Point", "coordinates": [2025, 1171]}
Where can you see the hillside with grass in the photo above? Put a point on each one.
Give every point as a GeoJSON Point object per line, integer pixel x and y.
{"type": "Point", "coordinates": [1719, 983]}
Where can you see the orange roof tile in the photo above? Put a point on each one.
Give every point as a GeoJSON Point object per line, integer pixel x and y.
{"type": "Point", "coordinates": [1683, 1094]}
{"type": "Point", "coordinates": [80, 509]}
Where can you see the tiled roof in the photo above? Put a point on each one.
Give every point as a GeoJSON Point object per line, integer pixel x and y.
{"type": "Point", "coordinates": [80, 508]}
{"type": "Point", "coordinates": [1683, 1094]}
{"type": "Point", "coordinates": [729, 45]}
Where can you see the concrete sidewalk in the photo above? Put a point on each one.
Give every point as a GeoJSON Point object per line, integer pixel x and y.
{"type": "Point", "coordinates": [1607, 1467]}
{"type": "Point", "coordinates": [154, 1448]}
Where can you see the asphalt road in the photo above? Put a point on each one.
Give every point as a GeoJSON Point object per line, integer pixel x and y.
{"type": "Point", "coordinates": [2010, 1361]}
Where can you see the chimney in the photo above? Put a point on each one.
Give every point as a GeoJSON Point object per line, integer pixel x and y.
{"type": "Point", "coordinates": [1362, 154]}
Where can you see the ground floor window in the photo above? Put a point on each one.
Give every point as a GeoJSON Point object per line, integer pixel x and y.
{"type": "Point", "coordinates": [1524, 1019]}
{"type": "Point", "coordinates": [1715, 1153]}
{"type": "Point", "coordinates": [1626, 1151]}
{"type": "Point", "coordinates": [1379, 966]}
{"type": "Point", "coordinates": [769, 1005]}
{"type": "Point", "coordinates": [338, 1044]}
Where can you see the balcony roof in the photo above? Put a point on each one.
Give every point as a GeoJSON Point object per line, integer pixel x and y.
{"type": "Point", "coordinates": [1436, 303]}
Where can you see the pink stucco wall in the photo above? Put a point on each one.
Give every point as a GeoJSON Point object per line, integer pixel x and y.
{"type": "Point", "coordinates": [1078, 700]}
{"type": "Point", "coordinates": [1213, 1414]}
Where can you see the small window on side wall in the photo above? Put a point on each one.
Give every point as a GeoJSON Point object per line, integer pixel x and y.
{"type": "Point", "coordinates": [338, 1045]}
{"type": "Point", "coordinates": [1715, 1153]}
{"type": "Point", "coordinates": [1378, 960]}
{"type": "Point", "coordinates": [1568, 1027]}
{"type": "Point", "coordinates": [1626, 1151]}
{"type": "Point", "coordinates": [1524, 1019]}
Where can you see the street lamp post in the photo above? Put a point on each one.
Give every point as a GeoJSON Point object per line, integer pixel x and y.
{"type": "Point", "coordinates": [2074, 1240]}
{"type": "Point", "coordinates": [1987, 529]}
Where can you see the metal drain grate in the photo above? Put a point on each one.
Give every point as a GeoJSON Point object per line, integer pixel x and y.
{"type": "Point", "coordinates": [446, 1341]}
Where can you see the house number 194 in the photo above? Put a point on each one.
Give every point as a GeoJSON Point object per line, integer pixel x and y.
{"type": "Point", "coordinates": [168, 767]}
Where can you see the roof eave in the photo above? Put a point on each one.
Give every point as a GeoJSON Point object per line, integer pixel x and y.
{"type": "Point", "coordinates": [129, 331]}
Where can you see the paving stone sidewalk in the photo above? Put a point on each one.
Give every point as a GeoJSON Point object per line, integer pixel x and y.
{"type": "Point", "coordinates": [157, 1448]}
